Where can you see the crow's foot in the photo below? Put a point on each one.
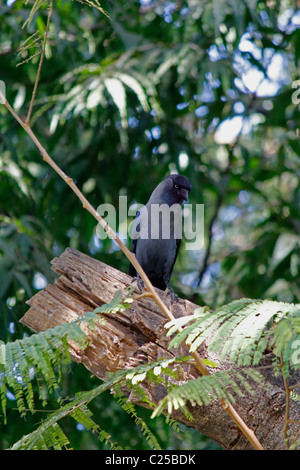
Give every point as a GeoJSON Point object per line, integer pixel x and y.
{"type": "Point", "coordinates": [139, 281]}
{"type": "Point", "coordinates": [174, 297]}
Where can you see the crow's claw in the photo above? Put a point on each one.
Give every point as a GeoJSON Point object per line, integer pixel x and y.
{"type": "Point", "coordinates": [139, 281]}
{"type": "Point", "coordinates": [174, 297]}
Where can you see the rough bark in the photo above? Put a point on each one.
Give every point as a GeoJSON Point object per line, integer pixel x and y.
{"type": "Point", "coordinates": [137, 336]}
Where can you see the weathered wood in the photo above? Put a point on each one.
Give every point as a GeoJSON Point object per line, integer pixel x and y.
{"type": "Point", "coordinates": [138, 335]}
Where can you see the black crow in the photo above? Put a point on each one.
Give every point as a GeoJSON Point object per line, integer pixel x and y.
{"type": "Point", "coordinates": [157, 231]}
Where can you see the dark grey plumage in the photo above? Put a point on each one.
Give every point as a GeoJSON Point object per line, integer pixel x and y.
{"type": "Point", "coordinates": [155, 252]}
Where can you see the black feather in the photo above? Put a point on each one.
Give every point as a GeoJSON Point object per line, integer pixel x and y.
{"type": "Point", "coordinates": [157, 256]}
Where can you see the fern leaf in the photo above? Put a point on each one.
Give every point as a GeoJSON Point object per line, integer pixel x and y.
{"type": "Point", "coordinates": [45, 353]}
{"type": "Point", "coordinates": [247, 333]}
{"type": "Point", "coordinates": [55, 438]}
{"type": "Point", "coordinates": [131, 411]}
{"type": "Point", "coordinates": [83, 416]}
{"type": "Point", "coordinates": [13, 378]}
{"type": "Point", "coordinates": [240, 330]}
{"type": "Point", "coordinates": [286, 341]}
{"type": "Point", "coordinates": [39, 438]}
{"type": "Point", "coordinates": [205, 389]}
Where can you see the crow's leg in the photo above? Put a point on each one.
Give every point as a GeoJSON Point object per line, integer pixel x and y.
{"type": "Point", "coordinates": [140, 283]}
{"type": "Point", "coordinates": [174, 297]}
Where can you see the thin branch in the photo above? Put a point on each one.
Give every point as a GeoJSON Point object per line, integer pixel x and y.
{"type": "Point", "coordinates": [40, 65]}
{"type": "Point", "coordinates": [142, 296]}
{"type": "Point", "coordinates": [292, 387]}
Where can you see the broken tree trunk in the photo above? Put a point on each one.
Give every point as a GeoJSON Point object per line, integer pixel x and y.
{"type": "Point", "coordinates": [136, 336]}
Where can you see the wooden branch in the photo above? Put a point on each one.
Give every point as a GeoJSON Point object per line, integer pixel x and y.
{"type": "Point", "coordinates": [137, 336]}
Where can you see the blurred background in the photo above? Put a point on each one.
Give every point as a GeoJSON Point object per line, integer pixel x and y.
{"type": "Point", "coordinates": [209, 89]}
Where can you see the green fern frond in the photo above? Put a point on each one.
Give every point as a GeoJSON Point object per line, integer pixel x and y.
{"type": "Point", "coordinates": [160, 372]}
{"type": "Point", "coordinates": [77, 408]}
{"type": "Point", "coordinates": [42, 356]}
{"type": "Point", "coordinates": [287, 333]}
{"type": "Point", "coordinates": [130, 409]}
{"type": "Point", "coordinates": [44, 438]}
{"type": "Point", "coordinates": [203, 390]}
{"type": "Point", "coordinates": [240, 331]}
{"type": "Point", "coordinates": [55, 438]}
{"type": "Point", "coordinates": [83, 416]}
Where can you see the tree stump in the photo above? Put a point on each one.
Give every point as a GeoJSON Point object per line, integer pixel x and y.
{"type": "Point", "coordinates": [136, 336]}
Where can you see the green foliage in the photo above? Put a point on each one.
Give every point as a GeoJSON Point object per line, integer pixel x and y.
{"type": "Point", "coordinates": [123, 99]}
{"type": "Point", "coordinates": [50, 435]}
{"type": "Point", "coordinates": [243, 330]}
{"type": "Point", "coordinates": [200, 391]}
{"type": "Point", "coordinates": [42, 356]}
{"type": "Point", "coordinates": [203, 390]}
{"type": "Point", "coordinates": [130, 409]}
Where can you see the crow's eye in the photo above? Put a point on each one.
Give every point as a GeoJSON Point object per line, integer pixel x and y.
{"type": "Point", "coordinates": [176, 186]}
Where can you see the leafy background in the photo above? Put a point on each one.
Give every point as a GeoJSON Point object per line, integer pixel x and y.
{"type": "Point", "coordinates": [202, 88]}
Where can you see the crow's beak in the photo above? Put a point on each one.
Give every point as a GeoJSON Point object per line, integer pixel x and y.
{"type": "Point", "coordinates": [185, 194]}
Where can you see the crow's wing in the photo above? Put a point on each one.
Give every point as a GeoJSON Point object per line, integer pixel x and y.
{"type": "Point", "coordinates": [177, 249]}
